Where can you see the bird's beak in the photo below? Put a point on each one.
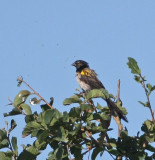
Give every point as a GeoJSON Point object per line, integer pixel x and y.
{"type": "Point", "coordinates": [73, 64]}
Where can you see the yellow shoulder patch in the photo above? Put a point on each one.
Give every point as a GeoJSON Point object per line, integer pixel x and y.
{"type": "Point", "coordinates": [86, 72]}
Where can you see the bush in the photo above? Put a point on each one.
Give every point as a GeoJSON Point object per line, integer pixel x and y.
{"type": "Point", "coordinates": [73, 134]}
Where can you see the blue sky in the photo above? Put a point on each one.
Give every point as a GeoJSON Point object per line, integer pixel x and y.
{"type": "Point", "coordinates": [40, 39]}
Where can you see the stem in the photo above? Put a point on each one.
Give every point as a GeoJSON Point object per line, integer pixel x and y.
{"type": "Point", "coordinates": [148, 99]}
{"type": "Point", "coordinates": [10, 142]}
{"type": "Point", "coordinates": [11, 148]}
{"type": "Point", "coordinates": [20, 79]}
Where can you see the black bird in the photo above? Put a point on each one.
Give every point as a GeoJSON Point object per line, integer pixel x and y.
{"type": "Point", "coordinates": [87, 79]}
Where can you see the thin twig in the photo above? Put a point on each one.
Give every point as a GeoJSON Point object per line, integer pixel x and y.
{"type": "Point", "coordinates": [148, 99]}
{"type": "Point", "coordinates": [10, 142]}
{"type": "Point", "coordinates": [20, 79]}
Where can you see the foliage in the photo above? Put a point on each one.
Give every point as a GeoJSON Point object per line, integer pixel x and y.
{"type": "Point", "coordinates": [73, 134]}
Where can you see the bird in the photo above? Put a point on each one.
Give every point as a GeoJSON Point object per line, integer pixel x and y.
{"type": "Point", "coordinates": [88, 80]}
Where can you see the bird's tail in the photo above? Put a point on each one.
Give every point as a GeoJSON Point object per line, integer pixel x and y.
{"type": "Point", "coordinates": [115, 110]}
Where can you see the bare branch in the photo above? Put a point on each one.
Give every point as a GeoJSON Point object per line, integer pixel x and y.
{"type": "Point", "coordinates": [21, 79]}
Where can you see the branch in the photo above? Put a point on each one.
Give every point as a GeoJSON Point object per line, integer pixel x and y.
{"type": "Point", "coordinates": [117, 119]}
{"type": "Point", "coordinates": [21, 80]}
{"type": "Point", "coordinates": [148, 99]}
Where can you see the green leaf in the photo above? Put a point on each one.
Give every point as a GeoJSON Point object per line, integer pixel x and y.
{"type": "Point", "coordinates": [112, 96]}
{"type": "Point", "coordinates": [40, 146]}
{"type": "Point", "coordinates": [75, 112]}
{"type": "Point", "coordinates": [29, 118]}
{"type": "Point", "coordinates": [6, 155]}
{"type": "Point", "coordinates": [65, 117]}
{"type": "Point", "coordinates": [43, 136]}
{"type": "Point", "coordinates": [97, 93]}
{"type": "Point", "coordinates": [51, 156]}
{"type": "Point", "coordinates": [50, 114]}
{"type": "Point", "coordinates": [4, 143]}
{"type": "Point", "coordinates": [26, 108]}
{"type": "Point", "coordinates": [76, 151]}
{"type": "Point", "coordinates": [31, 127]}
{"type": "Point", "coordinates": [20, 80]}
{"type": "Point", "coordinates": [149, 86]}
{"type": "Point", "coordinates": [148, 128]}
{"type": "Point", "coordinates": [60, 135]}
{"type": "Point", "coordinates": [73, 99]}
{"type": "Point", "coordinates": [53, 122]}
{"type": "Point", "coordinates": [30, 153]}
{"type": "Point", "coordinates": [98, 129]}
{"type": "Point", "coordinates": [3, 134]}
{"type": "Point", "coordinates": [86, 107]}
{"type": "Point", "coordinates": [14, 145]}
{"type": "Point", "coordinates": [153, 88]}
{"type": "Point", "coordinates": [99, 106]}
{"type": "Point", "coordinates": [21, 97]}
{"type": "Point", "coordinates": [113, 142]}
{"type": "Point", "coordinates": [59, 153]}
{"type": "Point", "coordinates": [13, 125]}
{"type": "Point", "coordinates": [101, 116]}
{"type": "Point", "coordinates": [45, 107]}
{"type": "Point", "coordinates": [137, 78]}
{"type": "Point", "coordinates": [132, 64]}
{"type": "Point", "coordinates": [150, 138]}
{"type": "Point", "coordinates": [15, 111]}
{"type": "Point", "coordinates": [144, 104]}
{"type": "Point", "coordinates": [96, 151]}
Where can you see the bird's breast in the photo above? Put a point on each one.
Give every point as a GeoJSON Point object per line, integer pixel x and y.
{"type": "Point", "coordinates": [82, 83]}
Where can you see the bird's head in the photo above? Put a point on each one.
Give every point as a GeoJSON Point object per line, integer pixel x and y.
{"type": "Point", "coordinates": [80, 64]}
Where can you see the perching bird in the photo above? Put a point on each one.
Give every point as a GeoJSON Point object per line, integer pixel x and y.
{"type": "Point", "coordinates": [87, 79]}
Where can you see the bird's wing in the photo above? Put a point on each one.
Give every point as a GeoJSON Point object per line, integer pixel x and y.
{"type": "Point", "coordinates": [90, 77]}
